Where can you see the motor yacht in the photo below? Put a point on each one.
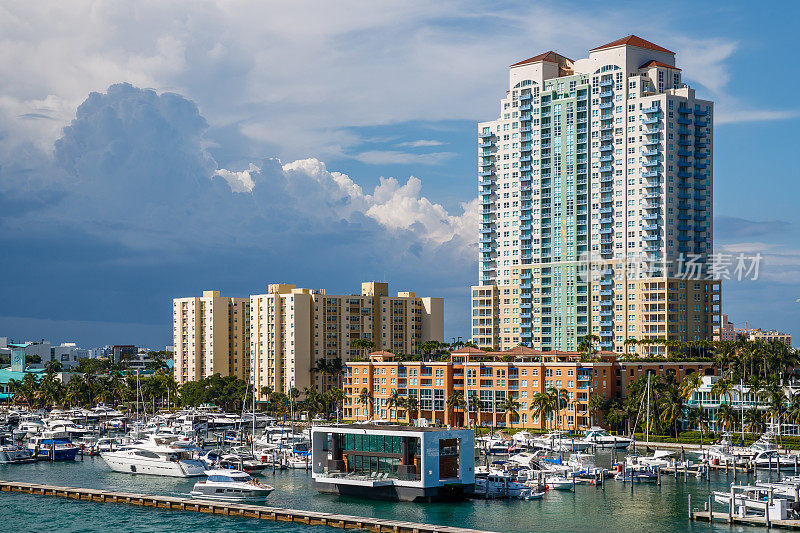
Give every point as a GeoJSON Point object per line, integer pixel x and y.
{"type": "Point", "coordinates": [154, 459]}
{"type": "Point", "coordinates": [561, 441]}
{"type": "Point", "coordinates": [601, 438]}
{"type": "Point", "coordinates": [53, 446]}
{"type": "Point", "coordinates": [231, 485]}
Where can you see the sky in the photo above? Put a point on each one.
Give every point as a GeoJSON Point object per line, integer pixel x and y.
{"type": "Point", "coordinates": [156, 149]}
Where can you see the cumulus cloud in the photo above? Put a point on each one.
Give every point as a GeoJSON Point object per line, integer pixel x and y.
{"type": "Point", "coordinates": [140, 202]}
{"type": "Point", "coordinates": [239, 181]}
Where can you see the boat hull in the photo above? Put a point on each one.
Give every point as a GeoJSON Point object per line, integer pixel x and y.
{"type": "Point", "coordinates": [127, 465]}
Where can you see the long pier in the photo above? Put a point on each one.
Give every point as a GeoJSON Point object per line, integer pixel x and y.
{"type": "Point", "coordinates": [376, 525]}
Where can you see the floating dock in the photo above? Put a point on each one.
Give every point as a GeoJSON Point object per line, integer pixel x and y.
{"type": "Point", "coordinates": [377, 525]}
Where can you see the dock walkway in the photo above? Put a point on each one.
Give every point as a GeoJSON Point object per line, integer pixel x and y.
{"type": "Point", "coordinates": [377, 525]}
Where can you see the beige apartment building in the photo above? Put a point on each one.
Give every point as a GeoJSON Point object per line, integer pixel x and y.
{"type": "Point", "coordinates": [211, 336]}
{"type": "Point", "coordinates": [291, 328]}
{"type": "Point", "coordinates": [278, 336]}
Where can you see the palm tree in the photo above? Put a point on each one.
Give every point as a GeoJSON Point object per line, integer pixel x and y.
{"type": "Point", "coordinates": [473, 406]}
{"type": "Point", "coordinates": [543, 406]}
{"type": "Point", "coordinates": [690, 384]}
{"type": "Point", "coordinates": [455, 402]}
{"type": "Point", "coordinates": [723, 389]}
{"type": "Point", "coordinates": [393, 401]}
{"type": "Point", "coordinates": [587, 344]}
{"type": "Point", "coordinates": [412, 405]}
{"type": "Point", "coordinates": [754, 421]}
{"type": "Point", "coordinates": [726, 417]}
{"type": "Point", "coordinates": [596, 406]}
{"type": "Point", "coordinates": [335, 397]}
{"type": "Point", "coordinates": [510, 407]}
{"type": "Point", "coordinates": [671, 406]}
{"type": "Point", "coordinates": [365, 399]}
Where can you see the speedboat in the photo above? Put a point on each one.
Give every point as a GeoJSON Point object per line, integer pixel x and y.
{"type": "Point", "coordinates": [154, 459]}
{"type": "Point", "coordinates": [53, 446]}
{"type": "Point", "coordinates": [558, 483]}
{"type": "Point", "coordinates": [13, 454]}
{"type": "Point", "coordinates": [601, 438]}
{"type": "Point", "coordinates": [230, 485]}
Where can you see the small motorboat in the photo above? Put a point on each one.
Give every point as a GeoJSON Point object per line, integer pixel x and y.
{"type": "Point", "coordinates": [533, 495]}
{"type": "Point", "coordinates": [558, 483]}
{"type": "Point", "coordinates": [231, 485]}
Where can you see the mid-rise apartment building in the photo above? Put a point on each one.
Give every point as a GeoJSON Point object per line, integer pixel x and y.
{"type": "Point", "coordinates": [278, 337]}
{"type": "Point", "coordinates": [292, 328]}
{"type": "Point", "coordinates": [211, 336]}
{"type": "Point", "coordinates": [491, 377]}
{"type": "Point", "coordinates": [595, 186]}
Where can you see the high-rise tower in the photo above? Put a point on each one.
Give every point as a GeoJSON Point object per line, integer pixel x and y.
{"type": "Point", "coordinates": [595, 185]}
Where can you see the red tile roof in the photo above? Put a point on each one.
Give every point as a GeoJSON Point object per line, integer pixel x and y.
{"type": "Point", "coordinates": [633, 40]}
{"type": "Point", "coordinates": [468, 349]}
{"type": "Point", "coordinates": [654, 63]}
{"type": "Point", "coordinates": [550, 57]}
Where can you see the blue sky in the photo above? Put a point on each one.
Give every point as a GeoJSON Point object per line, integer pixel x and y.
{"type": "Point", "coordinates": [156, 150]}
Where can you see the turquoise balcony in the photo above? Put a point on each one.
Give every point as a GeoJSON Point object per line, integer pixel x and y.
{"type": "Point", "coordinates": [653, 120]}
{"type": "Point", "coordinates": [654, 109]}
{"type": "Point", "coordinates": [606, 83]}
{"type": "Point", "coordinates": [525, 97]}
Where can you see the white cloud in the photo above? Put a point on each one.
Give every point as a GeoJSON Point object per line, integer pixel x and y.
{"type": "Point", "coordinates": [294, 79]}
{"type": "Point", "coordinates": [421, 143]}
{"type": "Point", "coordinates": [395, 157]}
{"type": "Point", "coordinates": [239, 181]}
{"type": "Point", "coordinates": [395, 206]}
{"type": "Point", "coordinates": [779, 263]}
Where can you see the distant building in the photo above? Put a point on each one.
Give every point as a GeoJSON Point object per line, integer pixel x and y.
{"type": "Point", "coordinates": [768, 336]}
{"type": "Point", "coordinates": [725, 331]}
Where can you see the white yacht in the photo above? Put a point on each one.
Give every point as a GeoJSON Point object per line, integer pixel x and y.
{"type": "Point", "coordinates": [561, 441]}
{"type": "Point", "coordinates": [601, 438]}
{"type": "Point", "coordinates": [231, 485]}
{"type": "Point", "coordinates": [154, 459]}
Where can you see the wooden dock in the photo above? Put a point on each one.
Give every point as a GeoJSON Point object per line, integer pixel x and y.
{"type": "Point", "coordinates": [722, 518]}
{"type": "Point", "coordinates": [376, 525]}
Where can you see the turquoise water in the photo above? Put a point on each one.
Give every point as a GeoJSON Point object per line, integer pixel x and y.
{"type": "Point", "coordinates": [589, 509]}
